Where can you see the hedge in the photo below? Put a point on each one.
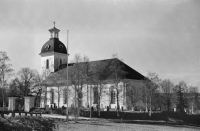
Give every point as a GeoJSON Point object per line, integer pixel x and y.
{"type": "Point", "coordinates": [27, 123]}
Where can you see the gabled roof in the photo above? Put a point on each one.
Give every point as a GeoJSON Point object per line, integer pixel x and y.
{"type": "Point", "coordinates": [130, 72]}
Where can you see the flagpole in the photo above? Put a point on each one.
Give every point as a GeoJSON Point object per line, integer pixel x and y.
{"type": "Point", "coordinates": [67, 109]}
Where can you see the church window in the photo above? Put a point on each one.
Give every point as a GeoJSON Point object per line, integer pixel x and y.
{"type": "Point", "coordinates": [64, 96]}
{"type": "Point", "coordinates": [113, 97]}
{"type": "Point", "coordinates": [47, 47]}
{"type": "Point", "coordinates": [61, 47]}
{"type": "Point", "coordinates": [47, 64]}
{"type": "Point", "coordinates": [52, 96]}
{"type": "Point", "coordinates": [95, 96]}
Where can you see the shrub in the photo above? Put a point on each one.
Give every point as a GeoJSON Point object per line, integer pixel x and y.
{"type": "Point", "coordinates": [37, 110]}
{"type": "Point", "coordinates": [190, 119]}
{"type": "Point", "coordinates": [27, 123]}
{"type": "Point", "coordinates": [62, 111]}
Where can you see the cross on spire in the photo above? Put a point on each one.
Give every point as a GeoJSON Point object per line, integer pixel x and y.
{"type": "Point", "coordinates": [54, 23]}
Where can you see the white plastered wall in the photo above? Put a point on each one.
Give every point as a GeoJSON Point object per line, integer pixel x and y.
{"type": "Point", "coordinates": [58, 57]}
{"type": "Point", "coordinates": [105, 99]}
{"type": "Point", "coordinates": [51, 62]}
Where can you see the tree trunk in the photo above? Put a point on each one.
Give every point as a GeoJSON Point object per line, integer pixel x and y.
{"type": "Point", "coordinates": [146, 105]}
{"type": "Point", "coordinates": [150, 106]}
{"type": "Point", "coordinates": [133, 108]}
{"type": "Point", "coordinates": [168, 105]}
{"type": "Point", "coordinates": [87, 96]}
{"type": "Point", "coordinates": [193, 105]}
{"type": "Point", "coordinates": [3, 91]}
{"type": "Point", "coordinates": [98, 107]}
{"type": "Point", "coordinates": [75, 106]}
{"type": "Point", "coordinates": [99, 100]}
{"type": "Point", "coordinates": [160, 102]}
{"type": "Point", "coordinates": [45, 97]}
{"type": "Point", "coordinates": [117, 102]}
{"type": "Point", "coordinates": [3, 97]}
{"type": "Point", "coordinates": [38, 97]}
{"type": "Point", "coordinates": [90, 103]}
{"type": "Point", "coordinates": [58, 97]}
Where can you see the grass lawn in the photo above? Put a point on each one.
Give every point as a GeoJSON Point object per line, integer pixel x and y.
{"type": "Point", "coordinates": [111, 126]}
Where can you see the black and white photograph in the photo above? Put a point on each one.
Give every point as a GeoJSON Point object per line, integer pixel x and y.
{"type": "Point", "coordinates": [99, 65]}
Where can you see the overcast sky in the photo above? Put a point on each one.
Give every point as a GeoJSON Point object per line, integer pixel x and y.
{"type": "Point", "coordinates": [161, 36]}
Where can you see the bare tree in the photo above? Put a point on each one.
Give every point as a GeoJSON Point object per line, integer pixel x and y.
{"type": "Point", "coordinates": [193, 98]}
{"type": "Point", "coordinates": [5, 71]}
{"type": "Point", "coordinates": [38, 88]}
{"type": "Point", "coordinates": [55, 79]}
{"type": "Point", "coordinates": [23, 84]}
{"type": "Point", "coordinates": [44, 84]}
{"type": "Point", "coordinates": [13, 88]}
{"type": "Point", "coordinates": [167, 91]}
{"type": "Point", "coordinates": [100, 71]}
{"type": "Point", "coordinates": [117, 75]}
{"type": "Point", "coordinates": [78, 78]}
{"type": "Point", "coordinates": [151, 83]}
{"type": "Point", "coordinates": [145, 97]}
{"type": "Point", "coordinates": [134, 94]}
{"type": "Point", "coordinates": [26, 78]}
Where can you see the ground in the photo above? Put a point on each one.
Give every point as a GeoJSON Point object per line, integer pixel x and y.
{"type": "Point", "coordinates": [111, 126]}
{"type": "Point", "coordinates": [98, 124]}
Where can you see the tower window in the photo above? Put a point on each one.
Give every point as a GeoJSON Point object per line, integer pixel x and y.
{"type": "Point", "coordinates": [61, 47]}
{"type": "Point", "coordinates": [47, 47]}
{"type": "Point", "coordinates": [47, 64]}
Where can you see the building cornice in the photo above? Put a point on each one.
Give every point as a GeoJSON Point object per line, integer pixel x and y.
{"type": "Point", "coordinates": [51, 53]}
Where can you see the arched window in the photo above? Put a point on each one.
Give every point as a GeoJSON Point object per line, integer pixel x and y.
{"type": "Point", "coordinates": [113, 96]}
{"type": "Point", "coordinates": [52, 96]}
{"type": "Point", "coordinates": [95, 91]}
{"type": "Point", "coordinates": [47, 64]}
{"type": "Point", "coordinates": [64, 96]}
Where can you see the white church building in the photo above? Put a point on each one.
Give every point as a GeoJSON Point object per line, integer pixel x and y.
{"type": "Point", "coordinates": [53, 63]}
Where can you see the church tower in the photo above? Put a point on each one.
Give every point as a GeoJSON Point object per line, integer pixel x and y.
{"type": "Point", "coordinates": [53, 53]}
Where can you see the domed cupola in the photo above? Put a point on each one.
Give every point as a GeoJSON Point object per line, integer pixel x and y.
{"type": "Point", "coordinates": [53, 53]}
{"type": "Point", "coordinates": [54, 44]}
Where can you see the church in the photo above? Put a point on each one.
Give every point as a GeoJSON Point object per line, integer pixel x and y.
{"type": "Point", "coordinates": [54, 60]}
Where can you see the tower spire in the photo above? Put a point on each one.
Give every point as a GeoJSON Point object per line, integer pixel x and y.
{"type": "Point", "coordinates": [54, 31]}
{"type": "Point", "coordinates": [54, 23]}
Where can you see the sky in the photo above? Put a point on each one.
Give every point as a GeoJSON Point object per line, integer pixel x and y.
{"type": "Point", "coordinates": [161, 36]}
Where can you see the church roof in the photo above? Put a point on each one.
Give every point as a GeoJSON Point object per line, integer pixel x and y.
{"type": "Point", "coordinates": [54, 29]}
{"type": "Point", "coordinates": [54, 45]}
{"type": "Point", "coordinates": [130, 73]}
{"type": "Point", "coordinates": [54, 78]}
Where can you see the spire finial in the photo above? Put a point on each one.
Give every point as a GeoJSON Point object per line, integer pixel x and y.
{"type": "Point", "coordinates": [54, 23]}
